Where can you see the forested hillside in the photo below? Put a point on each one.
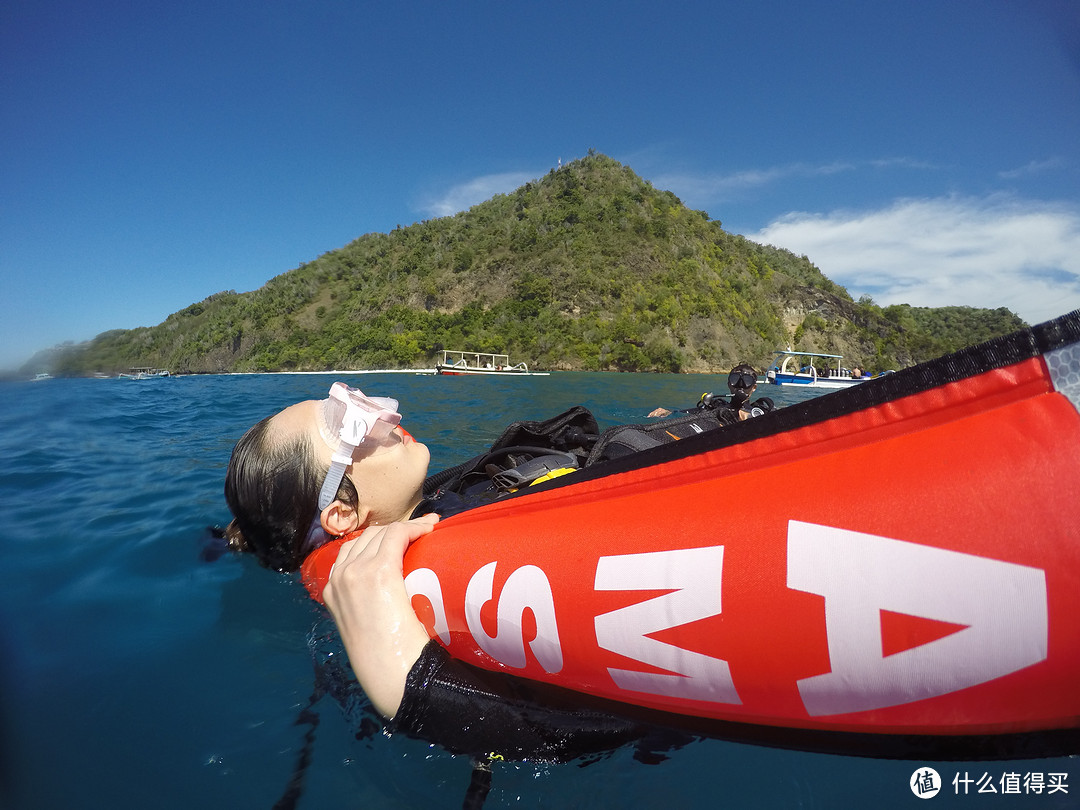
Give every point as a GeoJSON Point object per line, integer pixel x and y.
{"type": "Point", "coordinates": [588, 268]}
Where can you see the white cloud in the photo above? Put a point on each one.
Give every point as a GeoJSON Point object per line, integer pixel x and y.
{"type": "Point", "coordinates": [989, 252]}
{"type": "Point", "coordinates": [1034, 167]}
{"type": "Point", "coordinates": [466, 195]}
{"type": "Point", "coordinates": [721, 186]}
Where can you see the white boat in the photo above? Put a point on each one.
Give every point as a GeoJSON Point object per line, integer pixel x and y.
{"type": "Point", "coordinates": [483, 364]}
{"type": "Point", "coordinates": [812, 370]}
{"type": "Point", "coordinates": [41, 376]}
{"type": "Point", "coordinates": [144, 373]}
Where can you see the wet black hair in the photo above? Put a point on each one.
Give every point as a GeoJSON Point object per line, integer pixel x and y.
{"type": "Point", "coordinates": [272, 489]}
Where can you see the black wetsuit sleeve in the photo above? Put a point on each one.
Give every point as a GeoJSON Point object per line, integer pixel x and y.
{"type": "Point", "coordinates": [468, 710]}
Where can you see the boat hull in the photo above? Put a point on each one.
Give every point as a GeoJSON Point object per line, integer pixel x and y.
{"type": "Point", "coordinates": [458, 371]}
{"type": "Point", "coordinates": [917, 574]}
{"type": "Point", "coordinates": [898, 561]}
{"type": "Point", "coordinates": [806, 381]}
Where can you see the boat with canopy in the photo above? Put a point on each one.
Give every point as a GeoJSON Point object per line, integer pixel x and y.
{"type": "Point", "coordinates": [483, 364]}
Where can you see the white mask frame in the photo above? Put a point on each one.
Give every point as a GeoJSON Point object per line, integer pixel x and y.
{"type": "Point", "coordinates": [350, 420]}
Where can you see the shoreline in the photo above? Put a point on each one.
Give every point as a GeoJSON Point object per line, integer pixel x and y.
{"type": "Point", "coordinates": [333, 371]}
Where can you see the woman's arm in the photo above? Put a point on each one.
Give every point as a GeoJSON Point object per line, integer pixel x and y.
{"type": "Point", "coordinates": [414, 683]}
{"type": "Point", "coordinates": [367, 598]}
{"type": "Point", "coordinates": [472, 711]}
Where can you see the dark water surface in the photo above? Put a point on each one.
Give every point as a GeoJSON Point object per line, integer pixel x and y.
{"type": "Point", "coordinates": [134, 673]}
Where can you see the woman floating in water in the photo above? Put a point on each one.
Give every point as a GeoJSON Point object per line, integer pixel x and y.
{"type": "Point", "coordinates": [325, 469]}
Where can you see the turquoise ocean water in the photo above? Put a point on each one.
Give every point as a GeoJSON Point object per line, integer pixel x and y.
{"type": "Point", "coordinates": [134, 672]}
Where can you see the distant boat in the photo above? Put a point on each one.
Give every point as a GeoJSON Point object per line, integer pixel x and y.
{"type": "Point", "coordinates": [483, 364]}
{"type": "Point", "coordinates": [41, 376]}
{"type": "Point", "coordinates": [800, 368]}
{"type": "Point", "coordinates": [144, 373]}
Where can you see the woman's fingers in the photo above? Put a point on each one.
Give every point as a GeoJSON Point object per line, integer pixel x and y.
{"type": "Point", "coordinates": [396, 537]}
{"type": "Point", "coordinates": [373, 538]}
{"type": "Point", "coordinates": [375, 549]}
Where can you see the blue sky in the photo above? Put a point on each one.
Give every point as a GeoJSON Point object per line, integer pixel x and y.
{"type": "Point", "coordinates": [152, 154]}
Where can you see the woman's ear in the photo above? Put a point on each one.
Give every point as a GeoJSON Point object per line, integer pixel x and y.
{"type": "Point", "coordinates": [339, 518]}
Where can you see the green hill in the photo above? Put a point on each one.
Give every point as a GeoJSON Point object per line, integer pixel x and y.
{"type": "Point", "coordinates": [587, 268]}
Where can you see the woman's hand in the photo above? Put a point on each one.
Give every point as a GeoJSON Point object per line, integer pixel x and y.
{"type": "Point", "coordinates": [366, 596]}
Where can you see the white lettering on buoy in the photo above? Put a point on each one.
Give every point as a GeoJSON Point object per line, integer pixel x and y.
{"type": "Point", "coordinates": [425, 582]}
{"type": "Point", "coordinates": [1002, 606]}
{"type": "Point", "coordinates": [526, 588]}
{"type": "Point", "coordinates": [693, 576]}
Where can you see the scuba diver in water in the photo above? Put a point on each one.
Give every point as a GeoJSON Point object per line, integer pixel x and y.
{"type": "Point", "coordinates": [325, 469]}
{"type": "Point", "coordinates": [742, 382]}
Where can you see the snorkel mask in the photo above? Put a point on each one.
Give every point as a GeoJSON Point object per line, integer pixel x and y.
{"type": "Point", "coordinates": [741, 379]}
{"type": "Point", "coordinates": [352, 424]}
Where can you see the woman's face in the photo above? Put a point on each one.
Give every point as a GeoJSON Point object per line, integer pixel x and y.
{"type": "Point", "coordinates": [388, 481]}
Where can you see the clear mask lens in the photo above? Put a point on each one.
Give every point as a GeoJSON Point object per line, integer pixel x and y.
{"type": "Point", "coordinates": [742, 380]}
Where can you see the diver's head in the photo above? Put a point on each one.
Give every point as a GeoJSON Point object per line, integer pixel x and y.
{"type": "Point", "coordinates": [741, 382]}
{"type": "Point", "coordinates": [319, 469]}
